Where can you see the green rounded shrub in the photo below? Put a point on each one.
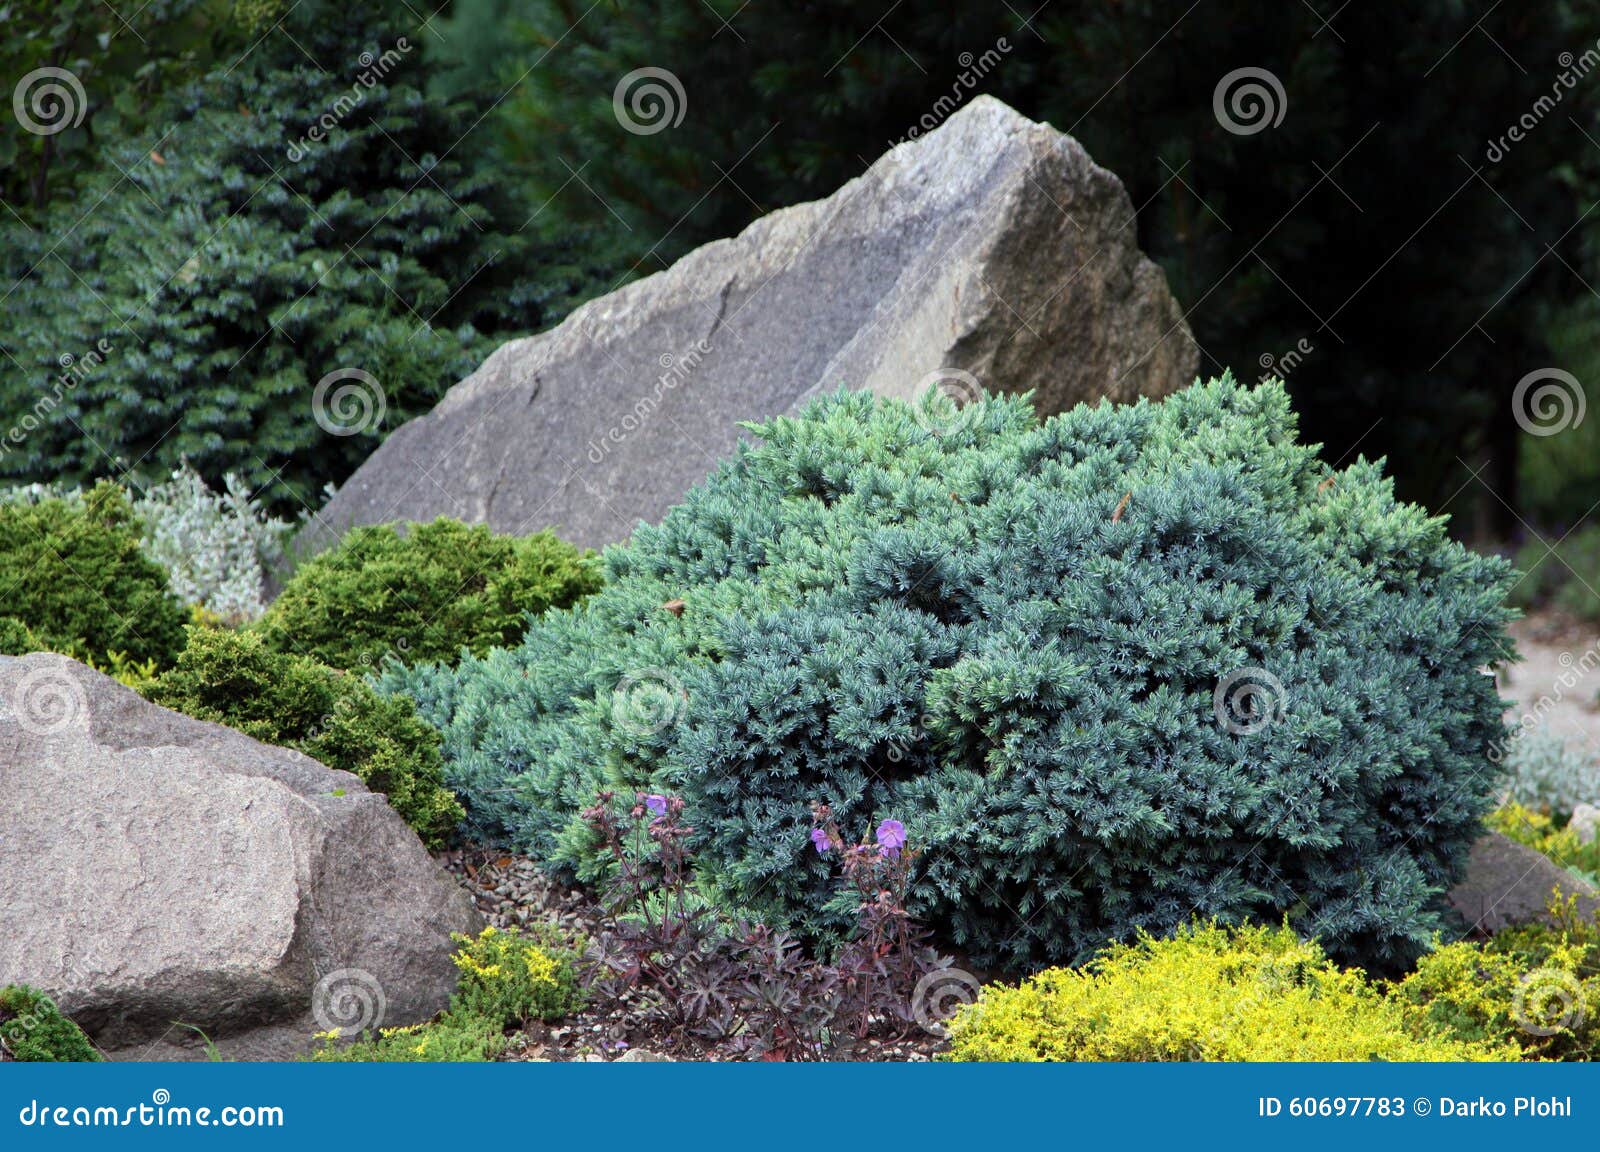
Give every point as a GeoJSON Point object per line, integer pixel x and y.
{"type": "Point", "coordinates": [423, 594]}
{"type": "Point", "coordinates": [32, 1028]}
{"type": "Point", "coordinates": [1111, 670]}
{"type": "Point", "coordinates": [233, 678]}
{"type": "Point", "coordinates": [1205, 994]}
{"type": "Point", "coordinates": [72, 572]}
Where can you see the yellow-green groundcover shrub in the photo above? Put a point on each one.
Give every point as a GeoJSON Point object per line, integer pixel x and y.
{"type": "Point", "coordinates": [453, 1038]}
{"type": "Point", "coordinates": [506, 980]}
{"type": "Point", "coordinates": [1208, 993]}
{"type": "Point", "coordinates": [1536, 986]}
{"type": "Point", "coordinates": [513, 978]}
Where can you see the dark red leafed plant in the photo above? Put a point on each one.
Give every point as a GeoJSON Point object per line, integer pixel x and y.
{"type": "Point", "coordinates": [889, 952]}
{"type": "Point", "coordinates": [749, 985]}
{"type": "Point", "coordinates": [658, 936]}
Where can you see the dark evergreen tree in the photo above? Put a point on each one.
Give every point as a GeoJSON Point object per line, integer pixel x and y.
{"type": "Point", "coordinates": [80, 71]}
{"type": "Point", "coordinates": [307, 211]}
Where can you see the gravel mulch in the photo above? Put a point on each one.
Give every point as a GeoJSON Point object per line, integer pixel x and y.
{"type": "Point", "coordinates": [1557, 678]}
{"type": "Point", "coordinates": [512, 892]}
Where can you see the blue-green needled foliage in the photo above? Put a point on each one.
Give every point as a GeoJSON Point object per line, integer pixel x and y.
{"type": "Point", "coordinates": [1113, 670]}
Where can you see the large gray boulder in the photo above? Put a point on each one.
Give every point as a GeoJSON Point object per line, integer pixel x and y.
{"type": "Point", "coordinates": [1507, 883]}
{"type": "Point", "coordinates": [157, 871]}
{"type": "Point", "coordinates": [990, 253]}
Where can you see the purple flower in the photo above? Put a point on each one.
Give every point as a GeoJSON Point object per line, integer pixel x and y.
{"type": "Point", "coordinates": [656, 804]}
{"type": "Point", "coordinates": [820, 839]}
{"type": "Point", "coordinates": [891, 837]}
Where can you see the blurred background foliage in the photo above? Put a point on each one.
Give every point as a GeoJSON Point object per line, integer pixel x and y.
{"type": "Point", "coordinates": [1386, 227]}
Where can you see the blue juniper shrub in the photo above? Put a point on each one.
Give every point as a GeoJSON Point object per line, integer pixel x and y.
{"type": "Point", "coordinates": [1113, 670]}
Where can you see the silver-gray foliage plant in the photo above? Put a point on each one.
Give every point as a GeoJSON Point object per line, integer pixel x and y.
{"type": "Point", "coordinates": [216, 546]}
{"type": "Point", "coordinates": [1549, 772]}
